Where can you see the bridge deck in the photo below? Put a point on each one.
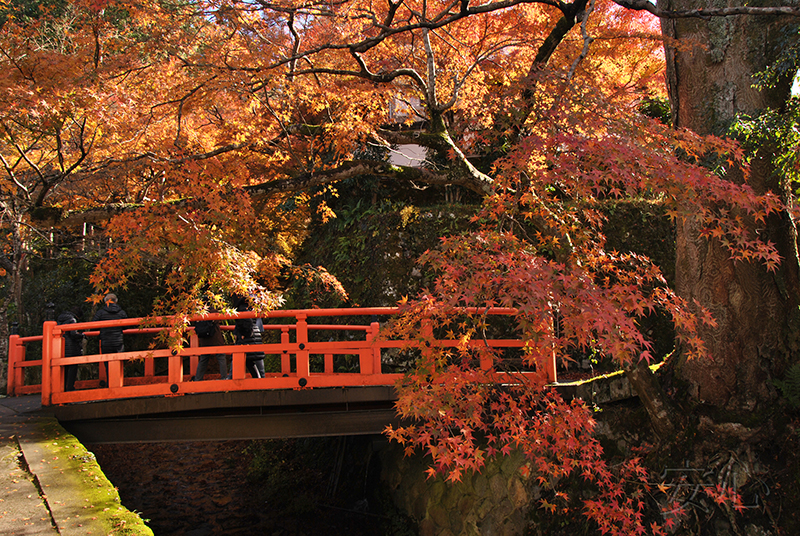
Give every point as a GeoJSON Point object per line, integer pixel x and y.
{"type": "Point", "coordinates": [264, 414]}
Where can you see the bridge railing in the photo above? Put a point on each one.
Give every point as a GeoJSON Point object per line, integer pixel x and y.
{"type": "Point", "coordinates": [300, 360]}
{"type": "Point", "coordinates": [17, 366]}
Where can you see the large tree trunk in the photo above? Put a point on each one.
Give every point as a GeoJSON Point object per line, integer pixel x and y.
{"type": "Point", "coordinates": [756, 311]}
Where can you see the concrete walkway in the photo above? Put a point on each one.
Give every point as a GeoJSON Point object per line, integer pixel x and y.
{"type": "Point", "coordinates": [49, 482]}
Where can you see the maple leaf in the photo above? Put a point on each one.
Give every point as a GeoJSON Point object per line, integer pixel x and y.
{"type": "Point", "coordinates": [454, 476]}
{"type": "Point", "coordinates": [547, 506]}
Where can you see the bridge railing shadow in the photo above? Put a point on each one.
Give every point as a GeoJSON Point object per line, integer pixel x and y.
{"type": "Point", "coordinates": [304, 354]}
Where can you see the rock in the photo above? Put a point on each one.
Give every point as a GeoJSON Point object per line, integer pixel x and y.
{"type": "Point", "coordinates": [517, 494]}
{"type": "Point", "coordinates": [753, 530]}
{"type": "Point", "coordinates": [221, 501]}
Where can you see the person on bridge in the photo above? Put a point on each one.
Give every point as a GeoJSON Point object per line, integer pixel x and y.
{"type": "Point", "coordinates": [73, 347]}
{"type": "Point", "coordinates": [111, 340]}
{"type": "Point", "coordinates": [209, 334]}
{"type": "Point", "coordinates": [248, 331]}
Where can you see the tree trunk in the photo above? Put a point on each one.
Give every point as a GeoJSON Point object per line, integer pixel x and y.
{"type": "Point", "coordinates": [4, 334]}
{"type": "Point", "coordinates": [756, 311]}
{"type": "Point", "coordinates": [19, 262]}
{"type": "Point", "coordinates": [652, 397]}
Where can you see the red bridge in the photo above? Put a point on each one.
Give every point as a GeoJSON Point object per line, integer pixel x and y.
{"type": "Point", "coordinates": [333, 379]}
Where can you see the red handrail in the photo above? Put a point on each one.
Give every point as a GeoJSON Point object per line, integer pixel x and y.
{"type": "Point", "coordinates": [178, 382]}
{"type": "Point", "coordinates": [17, 365]}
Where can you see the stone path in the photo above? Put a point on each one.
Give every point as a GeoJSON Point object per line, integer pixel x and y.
{"type": "Point", "coordinates": [49, 483]}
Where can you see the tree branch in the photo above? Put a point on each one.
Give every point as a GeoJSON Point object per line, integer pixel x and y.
{"type": "Point", "coordinates": [644, 5]}
{"type": "Point", "coordinates": [444, 18]}
{"type": "Point", "coordinates": [356, 168]}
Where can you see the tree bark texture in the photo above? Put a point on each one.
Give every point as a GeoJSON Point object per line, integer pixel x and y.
{"type": "Point", "coordinates": [652, 397]}
{"type": "Point", "coordinates": [710, 83]}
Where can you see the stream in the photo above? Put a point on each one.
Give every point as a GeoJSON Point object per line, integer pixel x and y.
{"type": "Point", "coordinates": [202, 489]}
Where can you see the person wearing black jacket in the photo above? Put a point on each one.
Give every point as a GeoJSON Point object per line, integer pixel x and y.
{"type": "Point", "coordinates": [248, 331]}
{"type": "Point", "coordinates": [209, 334]}
{"type": "Point", "coordinates": [73, 346]}
{"type": "Point", "coordinates": [110, 338]}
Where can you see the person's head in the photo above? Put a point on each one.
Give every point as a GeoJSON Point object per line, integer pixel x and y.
{"type": "Point", "coordinates": [110, 298]}
{"type": "Point", "coordinates": [66, 318]}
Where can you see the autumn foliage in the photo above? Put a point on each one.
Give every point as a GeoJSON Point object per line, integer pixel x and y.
{"type": "Point", "coordinates": [211, 129]}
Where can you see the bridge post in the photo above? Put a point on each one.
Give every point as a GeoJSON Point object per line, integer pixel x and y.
{"type": "Point", "coordinates": [365, 362]}
{"type": "Point", "coordinates": [286, 363]}
{"type": "Point", "coordinates": [175, 368]}
{"type": "Point", "coordinates": [426, 333]}
{"type": "Point", "coordinates": [175, 373]}
{"type": "Point", "coordinates": [370, 358]}
{"type": "Point", "coordinates": [550, 363]}
{"type": "Point", "coordinates": [16, 354]}
{"type": "Point", "coordinates": [115, 375]}
{"type": "Point", "coordinates": [376, 350]}
{"type": "Point", "coordinates": [550, 368]}
{"type": "Point", "coordinates": [149, 367]}
{"type": "Point", "coordinates": [47, 356]}
{"type": "Point", "coordinates": [194, 359]}
{"type": "Point", "coordinates": [486, 362]}
{"type": "Point", "coordinates": [56, 352]}
{"type": "Point", "coordinates": [303, 367]}
{"type": "Point", "coordinates": [102, 372]}
{"type": "Point", "coordinates": [238, 371]}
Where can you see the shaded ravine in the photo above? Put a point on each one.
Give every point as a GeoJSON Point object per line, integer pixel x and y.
{"type": "Point", "coordinates": [202, 488]}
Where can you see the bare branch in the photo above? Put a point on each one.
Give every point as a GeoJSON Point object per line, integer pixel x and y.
{"type": "Point", "coordinates": [295, 45]}
{"type": "Point", "coordinates": [644, 5]}
{"type": "Point", "coordinates": [96, 215]}
{"type": "Point", "coordinates": [443, 19]}
{"type": "Point", "coordinates": [358, 168]}
{"type": "Point", "coordinates": [431, 67]}
{"type": "Point", "coordinates": [587, 40]}
{"type": "Point", "coordinates": [152, 157]}
{"type": "Point", "coordinates": [366, 73]}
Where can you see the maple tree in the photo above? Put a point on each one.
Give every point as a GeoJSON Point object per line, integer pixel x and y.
{"type": "Point", "coordinates": [213, 128]}
{"type": "Point", "coordinates": [89, 129]}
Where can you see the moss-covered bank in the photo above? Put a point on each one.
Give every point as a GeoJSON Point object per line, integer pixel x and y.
{"type": "Point", "coordinates": [80, 498]}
